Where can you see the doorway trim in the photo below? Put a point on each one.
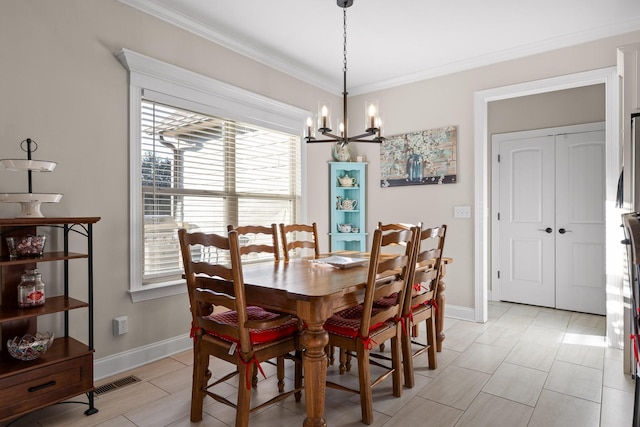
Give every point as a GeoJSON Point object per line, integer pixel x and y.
{"type": "Point", "coordinates": [609, 77]}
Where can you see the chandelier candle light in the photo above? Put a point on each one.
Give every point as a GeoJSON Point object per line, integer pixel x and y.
{"type": "Point", "coordinates": [372, 132]}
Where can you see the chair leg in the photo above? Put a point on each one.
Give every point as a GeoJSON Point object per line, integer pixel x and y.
{"type": "Point", "coordinates": [199, 383]}
{"type": "Point", "coordinates": [342, 355]}
{"type": "Point", "coordinates": [407, 357]}
{"type": "Point", "coordinates": [298, 375]}
{"type": "Point", "coordinates": [330, 350]}
{"type": "Point", "coordinates": [254, 377]}
{"type": "Point", "coordinates": [280, 373]}
{"type": "Point", "coordinates": [431, 342]}
{"type": "Point", "coordinates": [244, 397]}
{"type": "Point", "coordinates": [364, 375]}
{"type": "Point", "coordinates": [396, 363]}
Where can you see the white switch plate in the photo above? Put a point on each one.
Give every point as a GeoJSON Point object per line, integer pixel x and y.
{"type": "Point", "coordinates": [462, 211]}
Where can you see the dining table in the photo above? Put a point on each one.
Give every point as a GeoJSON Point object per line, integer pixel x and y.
{"type": "Point", "coordinates": [312, 291]}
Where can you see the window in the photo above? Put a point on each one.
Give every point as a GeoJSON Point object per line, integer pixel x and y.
{"type": "Point", "coordinates": [202, 159]}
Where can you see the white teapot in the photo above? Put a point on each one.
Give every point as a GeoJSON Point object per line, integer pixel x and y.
{"type": "Point", "coordinates": [348, 205]}
{"type": "Point", "coordinates": [347, 181]}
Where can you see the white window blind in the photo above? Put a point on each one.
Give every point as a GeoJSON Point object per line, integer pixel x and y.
{"type": "Point", "coordinates": [203, 173]}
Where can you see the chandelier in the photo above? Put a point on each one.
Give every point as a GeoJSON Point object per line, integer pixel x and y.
{"type": "Point", "coordinates": [372, 131]}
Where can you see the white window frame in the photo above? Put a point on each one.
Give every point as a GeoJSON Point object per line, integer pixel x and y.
{"type": "Point", "coordinates": [203, 94]}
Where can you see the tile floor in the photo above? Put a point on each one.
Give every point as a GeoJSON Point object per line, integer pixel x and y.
{"type": "Point", "coordinates": [527, 366]}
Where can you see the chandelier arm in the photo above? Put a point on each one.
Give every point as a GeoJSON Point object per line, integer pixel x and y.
{"type": "Point", "coordinates": [335, 137]}
{"type": "Point", "coordinates": [363, 135]}
{"type": "Point", "coordinates": [374, 140]}
{"type": "Point", "coordinates": [313, 140]}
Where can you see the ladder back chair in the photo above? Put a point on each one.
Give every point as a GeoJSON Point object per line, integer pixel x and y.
{"type": "Point", "coordinates": [299, 231]}
{"type": "Point", "coordinates": [258, 239]}
{"type": "Point", "coordinates": [242, 335]}
{"type": "Point", "coordinates": [393, 227]}
{"type": "Point", "coordinates": [358, 328]}
{"type": "Point", "coordinates": [420, 303]}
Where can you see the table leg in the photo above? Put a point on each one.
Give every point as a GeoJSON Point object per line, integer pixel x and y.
{"type": "Point", "coordinates": [440, 313]}
{"type": "Point", "coordinates": [314, 340]}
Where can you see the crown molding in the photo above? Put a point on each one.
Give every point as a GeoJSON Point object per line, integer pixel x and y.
{"type": "Point", "coordinates": [262, 55]}
{"type": "Point", "coordinates": [273, 60]}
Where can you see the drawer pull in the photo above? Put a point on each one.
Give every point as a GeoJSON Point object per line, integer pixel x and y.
{"type": "Point", "coordinates": [41, 386]}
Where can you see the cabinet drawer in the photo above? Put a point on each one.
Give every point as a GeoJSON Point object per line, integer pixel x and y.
{"type": "Point", "coordinates": [45, 385]}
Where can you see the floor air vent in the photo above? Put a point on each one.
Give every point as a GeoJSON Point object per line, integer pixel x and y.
{"type": "Point", "coordinates": [116, 384]}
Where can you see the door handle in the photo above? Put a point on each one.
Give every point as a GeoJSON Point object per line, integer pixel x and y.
{"type": "Point", "coordinates": [548, 229]}
{"type": "Point", "coordinates": [562, 231]}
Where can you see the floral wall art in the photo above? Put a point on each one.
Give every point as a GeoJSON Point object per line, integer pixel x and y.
{"type": "Point", "coordinates": [419, 158]}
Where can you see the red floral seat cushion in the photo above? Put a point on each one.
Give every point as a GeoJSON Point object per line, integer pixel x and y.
{"type": "Point", "coordinates": [258, 336]}
{"type": "Point", "coordinates": [347, 322]}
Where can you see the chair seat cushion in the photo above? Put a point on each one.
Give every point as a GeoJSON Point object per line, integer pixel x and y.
{"type": "Point", "coordinates": [347, 322]}
{"type": "Point", "coordinates": [386, 302]}
{"type": "Point", "coordinates": [258, 336]}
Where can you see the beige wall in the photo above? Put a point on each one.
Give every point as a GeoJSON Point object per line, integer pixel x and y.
{"type": "Point", "coordinates": [448, 101]}
{"type": "Point", "coordinates": [552, 109]}
{"type": "Point", "coordinates": [62, 86]}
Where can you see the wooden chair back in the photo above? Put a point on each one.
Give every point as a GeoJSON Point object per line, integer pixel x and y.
{"type": "Point", "coordinates": [396, 227]}
{"type": "Point", "coordinates": [259, 239]}
{"type": "Point", "coordinates": [429, 253]}
{"type": "Point", "coordinates": [243, 336]}
{"type": "Point", "coordinates": [299, 231]}
{"type": "Point", "coordinates": [387, 277]}
{"type": "Point", "coordinates": [210, 284]}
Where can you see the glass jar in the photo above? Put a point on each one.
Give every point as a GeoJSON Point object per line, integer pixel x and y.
{"type": "Point", "coordinates": [31, 289]}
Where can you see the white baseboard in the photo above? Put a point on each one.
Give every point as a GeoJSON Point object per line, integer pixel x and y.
{"type": "Point", "coordinates": [459, 312]}
{"type": "Point", "coordinates": [116, 363]}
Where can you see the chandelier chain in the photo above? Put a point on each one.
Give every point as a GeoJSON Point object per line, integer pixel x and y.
{"type": "Point", "coordinates": [344, 46]}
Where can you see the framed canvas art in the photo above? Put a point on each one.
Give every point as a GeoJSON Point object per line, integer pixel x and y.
{"type": "Point", "coordinates": [419, 158]}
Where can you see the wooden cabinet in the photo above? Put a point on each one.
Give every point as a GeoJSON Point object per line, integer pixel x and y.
{"type": "Point", "coordinates": [66, 369]}
{"type": "Point", "coordinates": [347, 204]}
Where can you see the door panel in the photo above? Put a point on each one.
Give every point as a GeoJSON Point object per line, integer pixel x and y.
{"type": "Point", "coordinates": [526, 199]}
{"type": "Point", "coordinates": [580, 211]}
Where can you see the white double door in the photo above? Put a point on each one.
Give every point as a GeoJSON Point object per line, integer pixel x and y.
{"type": "Point", "coordinates": [549, 219]}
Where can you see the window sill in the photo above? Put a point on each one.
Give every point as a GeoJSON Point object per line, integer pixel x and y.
{"type": "Point", "coordinates": [150, 292]}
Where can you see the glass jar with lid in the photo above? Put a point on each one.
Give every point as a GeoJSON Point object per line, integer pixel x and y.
{"type": "Point", "coordinates": [31, 289]}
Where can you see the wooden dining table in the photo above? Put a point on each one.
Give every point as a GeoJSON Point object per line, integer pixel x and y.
{"type": "Point", "coordinates": [312, 292]}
